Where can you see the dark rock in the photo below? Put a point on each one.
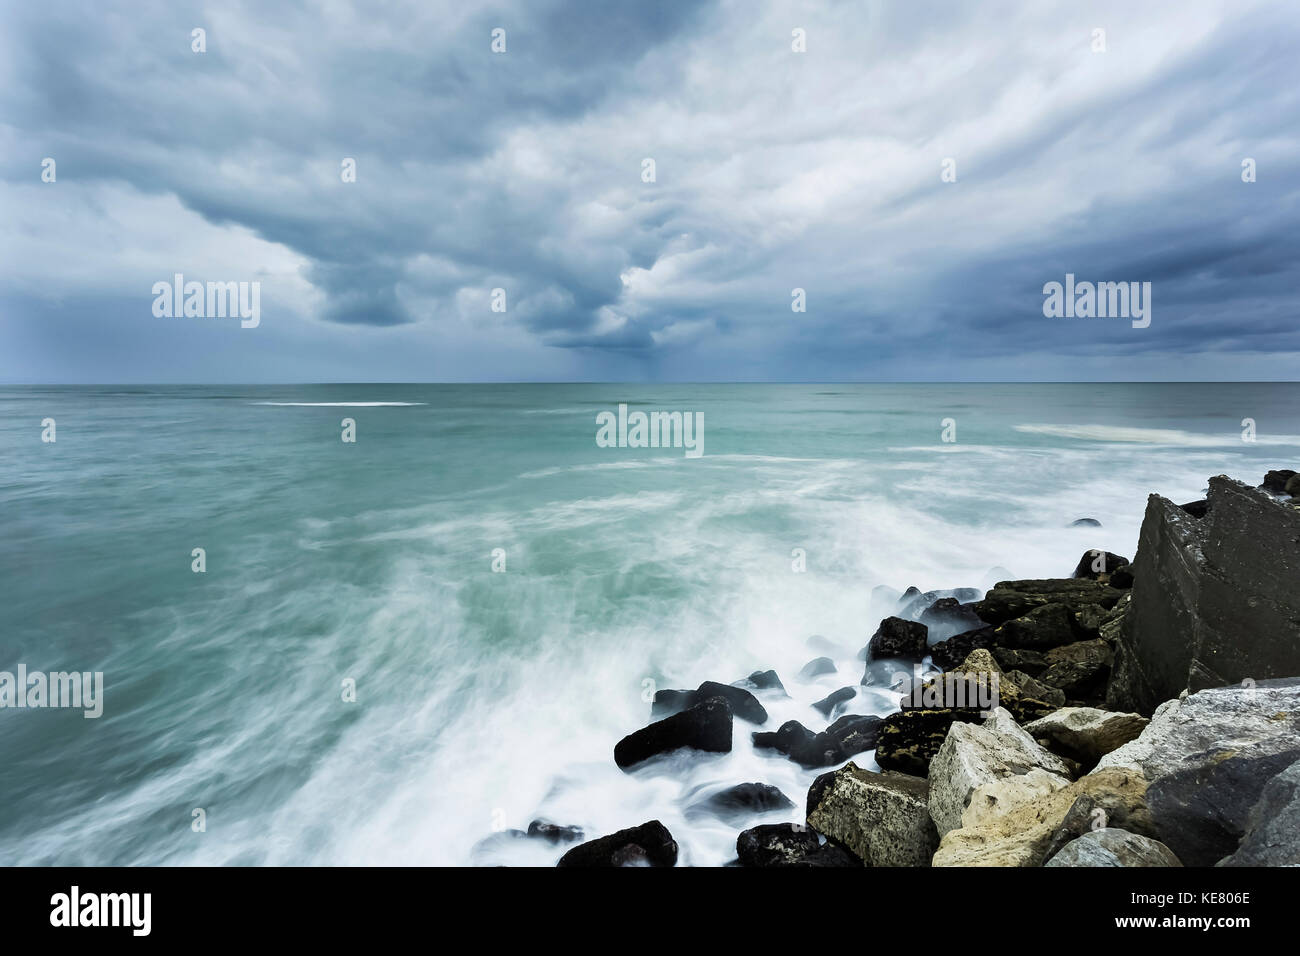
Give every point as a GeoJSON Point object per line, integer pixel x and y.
{"type": "Point", "coordinates": [1214, 601]}
{"type": "Point", "coordinates": [912, 606]}
{"type": "Point", "coordinates": [553, 833]}
{"type": "Point", "coordinates": [650, 844]}
{"type": "Point", "coordinates": [1080, 670]}
{"type": "Point", "coordinates": [1273, 827]}
{"type": "Point", "coordinates": [1033, 688]}
{"type": "Point", "coordinates": [1202, 811]}
{"type": "Point", "coordinates": [787, 844]}
{"type": "Point", "coordinates": [812, 750]}
{"type": "Point", "coordinates": [741, 801]}
{"type": "Point", "coordinates": [950, 653]}
{"type": "Point", "coordinates": [743, 704]}
{"type": "Point", "coordinates": [828, 703]}
{"type": "Point", "coordinates": [898, 638]}
{"type": "Point", "coordinates": [703, 726]}
{"type": "Point", "coordinates": [1197, 509]}
{"type": "Point", "coordinates": [1099, 565]}
{"type": "Point", "coordinates": [1122, 578]}
{"type": "Point", "coordinates": [1078, 820]}
{"type": "Point", "coordinates": [951, 614]}
{"type": "Point", "coordinates": [855, 733]}
{"type": "Point", "coordinates": [669, 702]}
{"type": "Point", "coordinates": [909, 739]}
{"type": "Point", "coordinates": [1085, 523]}
{"type": "Point", "coordinates": [762, 680]}
{"type": "Point", "coordinates": [1275, 481]}
{"type": "Point", "coordinates": [1046, 626]}
{"type": "Point", "coordinates": [1012, 599]}
{"type": "Point", "coordinates": [1023, 659]}
{"type": "Point", "coordinates": [816, 668]}
{"type": "Point", "coordinates": [1293, 486]}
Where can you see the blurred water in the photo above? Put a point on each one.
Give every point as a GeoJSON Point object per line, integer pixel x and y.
{"type": "Point", "coordinates": [488, 699]}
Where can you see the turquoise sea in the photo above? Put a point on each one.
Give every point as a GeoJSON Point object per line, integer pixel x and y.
{"type": "Point", "coordinates": [487, 698]}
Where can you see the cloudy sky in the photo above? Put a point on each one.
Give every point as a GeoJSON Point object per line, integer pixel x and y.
{"type": "Point", "coordinates": [774, 170]}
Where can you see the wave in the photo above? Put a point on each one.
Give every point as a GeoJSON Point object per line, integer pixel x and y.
{"type": "Point", "coordinates": [1152, 436]}
{"type": "Point", "coordinates": [340, 404]}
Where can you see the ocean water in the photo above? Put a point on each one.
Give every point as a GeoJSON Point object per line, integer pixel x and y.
{"type": "Point", "coordinates": [486, 699]}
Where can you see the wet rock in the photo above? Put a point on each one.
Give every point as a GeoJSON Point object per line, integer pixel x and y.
{"type": "Point", "coordinates": [855, 733]}
{"type": "Point", "coordinates": [762, 680]}
{"type": "Point", "coordinates": [832, 700]}
{"type": "Point", "coordinates": [740, 801]}
{"type": "Point", "coordinates": [816, 668]}
{"type": "Point", "coordinates": [649, 844]}
{"type": "Point", "coordinates": [1293, 485]}
{"type": "Point", "coordinates": [669, 702]}
{"type": "Point", "coordinates": [1272, 835]}
{"type": "Point", "coordinates": [1099, 565]}
{"type": "Point", "coordinates": [705, 726]}
{"type": "Point", "coordinates": [948, 654]}
{"type": "Point", "coordinates": [1111, 846]}
{"type": "Point", "coordinates": [1079, 670]}
{"type": "Point", "coordinates": [1012, 599]}
{"type": "Point", "coordinates": [881, 817]}
{"type": "Point", "coordinates": [1122, 578]}
{"type": "Point", "coordinates": [912, 606]}
{"type": "Point", "coordinates": [951, 615]}
{"type": "Point", "coordinates": [1085, 523]}
{"type": "Point", "coordinates": [743, 704]}
{"type": "Point", "coordinates": [897, 637]}
{"type": "Point", "coordinates": [1023, 659]}
{"type": "Point", "coordinates": [1214, 600]}
{"type": "Point", "coordinates": [977, 754]}
{"type": "Point", "coordinates": [1087, 734]}
{"type": "Point", "coordinates": [1197, 509]}
{"type": "Point", "coordinates": [909, 739]}
{"type": "Point", "coordinates": [787, 844]}
{"type": "Point", "coordinates": [1046, 626]}
{"type": "Point", "coordinates": [553, 833]}
{"type": "Point", "coordinates": [1276, 480]}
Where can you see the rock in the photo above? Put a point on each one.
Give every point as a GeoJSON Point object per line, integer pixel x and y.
{"type": "Point", "coordinates": [880, 817]}
{"type": "Point", "coordinates": [742, 800]}
{"type": "Point", "coordinates": [801, 745]}
{"type": "Point", "coordinates": [705, 726]}
{"type": "Point", "coordinates": [828, 703]}
{"type": "Point", "coordinates": [1203, 809]}
{"type": "Point", "coordinates": [1036, 689]}
{"type": "Point", "coordinates": [743, 704]}
{"type": "Point", "coordinates": [1276, 481]}
{"type": "Point", "coordinates": [951, 615]}
{"type": "Point", "coordinates": [909, 739]}
{"type": "Point", "coordinates": [1023, 659]}
{"type": "Point", "coordinates": [1214, 600]}
{"type": "Point", "coordinates": [912, 606]}
{"type": "Point", "coordinates": [649, 844]}
{"type": "Point", "coordinates": [948, 654]}
{"type": "Point", "coordinates": [762, 680]}
{"type": "Point", "coordinates": [1049, 625]}
{"type": "Point", "coordinates": [1012, 599]}
{"type": "Point", "coordinates": [1083, 816]}
{"type": "Point", "coordinates": [855, 733]}
{"type": "Point", "coordinates": [898, 638]}
{"type": "Point", "coordinates": [1022, 833]}
{"type": "Point", "coordinates": [1079, 669]}
{"type": "Point", "coordinates": [1114, 847]}
{"type": "Point", "coordinates": [786, 844]}
{"type": "Point", "coordinates": [553, 833]}
{"type": "Point", "coordinates": [975, 754]}
{"type": "Point", "coordinates": [816, 668]}
{"type": "Point", "coordinates": [1122, 578]}
{"type": "Point", "coordinates": [1087, 734]}
{"type": "Point", "coordinates": [1197, 509]}
{"type": "Point", "coordinates": [1293, 485]}
{"type": "Point", "coordinates": [1273, 828]}
{"type": "Point", "coordinates": [1085, 523]}
{"type": "Point", "coordinates": [1098, 565]}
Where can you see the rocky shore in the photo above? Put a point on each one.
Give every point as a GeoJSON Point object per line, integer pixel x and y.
{"type": "Point", "coordinates": [1142, 713]}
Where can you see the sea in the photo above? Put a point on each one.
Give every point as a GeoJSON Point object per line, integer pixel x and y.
{"type": "Point", "coordinates": [399, 648]}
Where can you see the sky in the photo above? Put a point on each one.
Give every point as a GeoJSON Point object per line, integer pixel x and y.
{"type": "Point", "coordinates": [919, 169]}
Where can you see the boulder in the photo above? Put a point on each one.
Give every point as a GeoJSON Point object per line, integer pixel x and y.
{"type": "Point", "coordinates": [743, 704]}
{"type": "Point", "coordinates": [742, 800]}
{"type": "Point", "coordinates": [1214, 600]}
{"type": "Point", "coordinates": [897, 637]}
{"type": "Point", "coordinates": [1023, 659]}
{"type": "Point", "coordinates": [1035, 689]}
{"type": "Point", "coordinates": [948, 654]}
{"type": "Point", "coordinates": [1043, 627]}
{"type": "Point", "coordinates": [649, 844]}
{"type": "Point", "coordinates": [1111, 846]}
{"type": "Point", "coordinates": [881, 818]}
{"type": "Point", "coordinates": [1122, 578]}
{"type": "Point", "coordinates": [1080, 670]}
{"type": "Point", "coordinates": [855, 733]}
{"type": "Point", "coordinates": [1272, 835]}
{"type": "Point", "coordinates": [1012, 599]}
{"type": "Point", "coordinates": [909, 739]}
{"type": "Point", "coordinates": [787, 844]}
{"type": "Point", "coordinates": [704, 726]}
{"type": "Point", "coordinates": [1085, 523]}
{"type": "Point", "coordinates": [1293, 486]}
{"type": "Point", "coordinates": [1276, 480]}
{"type": "Point", "coordinates": [1086, 734]}
{"type": "Point", "coordinates": [1019, 832]}
{"type": "Point", "coordinates": [816, 668]}
{"type": "Point", "coordinates": [1197, 509]}
{"type": "Point", "coordinates": [950, 615]}
{"type": "Point", "coordinates": [976, 754]}
{"type": "Point", "coordinates": [553, 832]}
{"type": "Point", "coordinates": [1099, 565]}
{"type": "Point", "coordinates": [762, 680]}
{"type": "Point", "coordinates": [849, 735]}
{"type": "Point", "coordinates": [832, 700]}
{"type": "Point", "coordinates": [669, 702]}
